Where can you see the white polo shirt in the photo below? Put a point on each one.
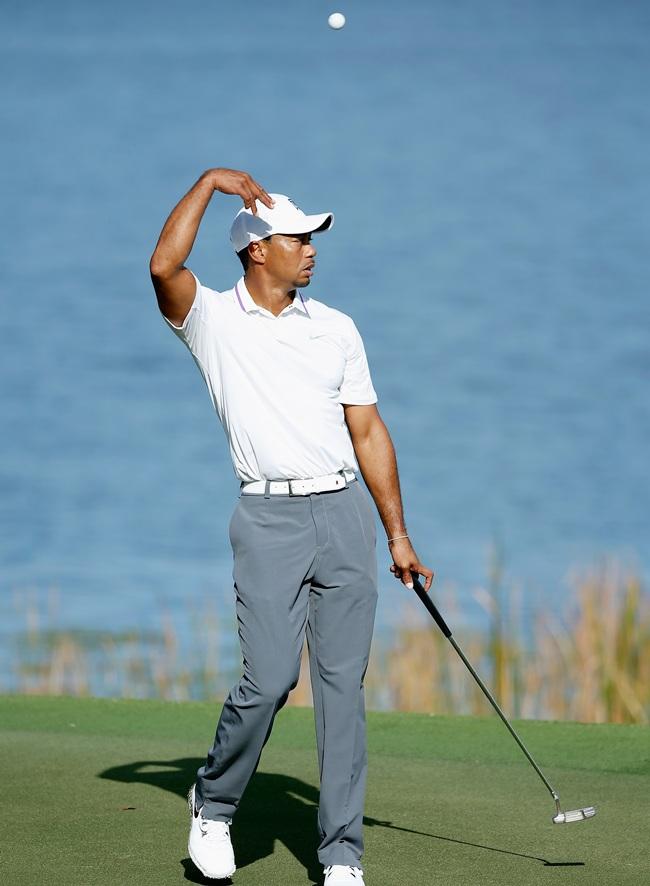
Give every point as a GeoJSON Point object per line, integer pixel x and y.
{"type": "Point", "coordinates": [278, 384]}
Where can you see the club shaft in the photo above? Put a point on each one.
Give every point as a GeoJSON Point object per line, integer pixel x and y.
{"type": "Point", "coordinates": [430, 605]}
{"type": "Point", "coordinates": [506, 722]}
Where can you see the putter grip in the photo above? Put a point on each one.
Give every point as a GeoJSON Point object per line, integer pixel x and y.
{"type": "Point", "coordinates": [430, 605]}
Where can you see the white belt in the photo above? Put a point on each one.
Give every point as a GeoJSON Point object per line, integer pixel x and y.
{"type": "Point", "coordinates": [326, 483]}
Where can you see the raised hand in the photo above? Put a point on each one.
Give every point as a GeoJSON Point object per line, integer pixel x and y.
{"type": "Point", "coordinates": [240, 184]}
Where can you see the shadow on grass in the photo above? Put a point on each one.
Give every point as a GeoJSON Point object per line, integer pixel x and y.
{"type": "Point", "coordinates": [274, 807]}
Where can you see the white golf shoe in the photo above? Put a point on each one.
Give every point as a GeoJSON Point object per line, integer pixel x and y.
{"type": "Point", "coordinates": [343, 875]}
{"type": "Point", "coordinates": [209, 843]}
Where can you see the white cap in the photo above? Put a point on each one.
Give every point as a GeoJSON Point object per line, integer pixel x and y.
{"type": "Point", "coordinates": [284, 218]}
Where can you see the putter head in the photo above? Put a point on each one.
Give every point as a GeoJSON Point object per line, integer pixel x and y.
{"type": "Point", "coordinates": [574, 815]}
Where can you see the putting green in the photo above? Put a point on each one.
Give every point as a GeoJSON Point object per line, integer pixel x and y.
{"type": "Point", "coordinates": [94, 793]}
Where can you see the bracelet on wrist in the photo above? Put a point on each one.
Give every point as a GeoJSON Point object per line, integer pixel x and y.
{"type": "Point", "coordinates": [395, 537]}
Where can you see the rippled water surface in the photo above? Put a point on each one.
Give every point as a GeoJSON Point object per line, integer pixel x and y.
{"type": "Point", "coordinates": [488, 167]}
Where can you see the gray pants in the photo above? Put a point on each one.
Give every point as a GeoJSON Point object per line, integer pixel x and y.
{"type": "Point", "coordinates": [302, 564]}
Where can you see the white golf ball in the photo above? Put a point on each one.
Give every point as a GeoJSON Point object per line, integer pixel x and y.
{"type": "Point", "coordinates": [336, 20]}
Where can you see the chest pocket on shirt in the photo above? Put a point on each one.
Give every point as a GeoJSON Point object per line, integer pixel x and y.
{"type": "Point", "coordinates": [328, 356]}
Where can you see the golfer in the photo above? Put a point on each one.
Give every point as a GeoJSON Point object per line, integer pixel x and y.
{"type": "Point", "coordinates": [289, 380]}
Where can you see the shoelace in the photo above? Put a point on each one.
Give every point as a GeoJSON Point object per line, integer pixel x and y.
{"type": "Point", "coordinates": [215, 831]}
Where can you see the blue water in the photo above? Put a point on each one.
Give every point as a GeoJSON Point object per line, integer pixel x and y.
{"type": "Point", "coordinates": [488, 166]}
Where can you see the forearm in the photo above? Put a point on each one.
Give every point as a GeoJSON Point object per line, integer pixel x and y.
{"type": "Point", "coordinates": [179, 232]}
{"type": "Point", "coordinates": [378, 465]}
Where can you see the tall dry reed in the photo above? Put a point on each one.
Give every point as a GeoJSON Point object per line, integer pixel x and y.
{"type": "Point", "coordinates": [590, 662]}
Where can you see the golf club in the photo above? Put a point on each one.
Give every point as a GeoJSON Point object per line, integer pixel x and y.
{"type": "Point", "coordinates": [559, 817]}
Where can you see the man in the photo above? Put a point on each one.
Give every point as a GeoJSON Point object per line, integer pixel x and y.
{"type": "Point", "coordinates": [289, 380]}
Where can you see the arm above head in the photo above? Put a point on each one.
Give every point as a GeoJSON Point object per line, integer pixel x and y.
{"type": "Point", "coordinates": [174, 284]}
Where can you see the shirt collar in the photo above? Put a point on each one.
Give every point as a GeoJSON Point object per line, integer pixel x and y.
{"type": "Point", "coordinates": [245, 301]}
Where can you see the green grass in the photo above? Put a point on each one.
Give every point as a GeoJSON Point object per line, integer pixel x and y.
{"type": "Point", "coordinates": [93, 793]}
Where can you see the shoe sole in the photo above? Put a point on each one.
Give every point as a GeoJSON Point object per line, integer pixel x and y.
{"type": "Point", "coordinates": [190, 805]}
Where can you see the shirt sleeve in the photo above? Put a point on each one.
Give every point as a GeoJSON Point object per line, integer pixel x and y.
{"type": "Point", "coordinates": [356, 388]}
{"type": "Point", "coordinates": [194, 330]}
